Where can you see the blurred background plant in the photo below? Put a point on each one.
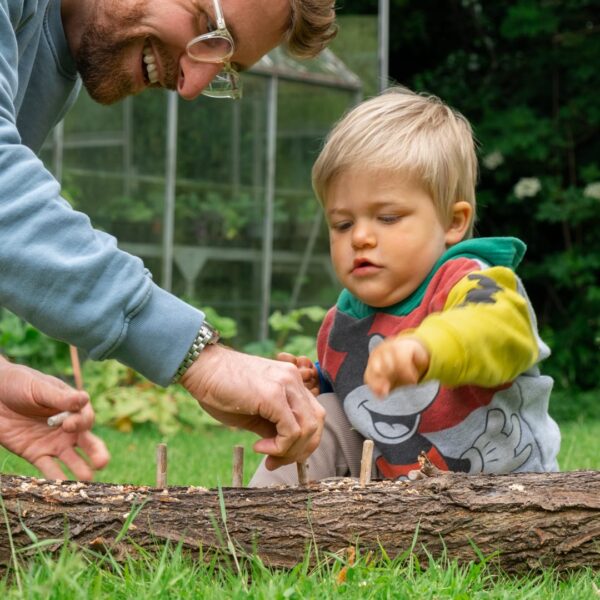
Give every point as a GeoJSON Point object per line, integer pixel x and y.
{"type": "Point", "coordinates": [122, 398]}
{"type": "Point", "coordinates": [293, 332]}
{"type": "Point", "coordinates": [22, 343]}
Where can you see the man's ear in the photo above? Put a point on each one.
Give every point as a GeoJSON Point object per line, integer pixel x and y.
{"type": "Point", "coordinates": [462, 213]}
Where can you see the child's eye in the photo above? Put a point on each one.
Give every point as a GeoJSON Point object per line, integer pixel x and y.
{"type": "Point", "coordinates": [389, 219]}
{"type": "Point", "coordinates": [341, 225]}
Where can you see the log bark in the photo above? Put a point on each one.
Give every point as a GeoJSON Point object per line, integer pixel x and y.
{"type": "Point", "coordinates": [532, 521]}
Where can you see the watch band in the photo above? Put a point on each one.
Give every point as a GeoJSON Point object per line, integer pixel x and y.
{"type": "Point", "coordinates": [207, 335]}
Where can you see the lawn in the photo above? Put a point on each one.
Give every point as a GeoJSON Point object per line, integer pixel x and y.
{"type": "Point", "coordinates": [204, 458]}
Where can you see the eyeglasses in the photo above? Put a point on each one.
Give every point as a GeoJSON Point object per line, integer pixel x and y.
{"type": "Point", "coordinates": [217, 46]}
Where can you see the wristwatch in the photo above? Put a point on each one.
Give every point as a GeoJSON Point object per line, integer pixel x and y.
{"type": "Point", "coordinates": [207, 336]}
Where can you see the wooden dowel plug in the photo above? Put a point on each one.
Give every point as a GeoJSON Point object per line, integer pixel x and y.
{"type": "Point", "coordinates": [302, 473]}
{"type": "Point", "coordinates": [161, 466]}
{"type": "Point", "coordinates": [76, 367]}
{"type": "Point", "coordinates": [366, 462]}
{"type": "Point", "coordinates": [237, 478]}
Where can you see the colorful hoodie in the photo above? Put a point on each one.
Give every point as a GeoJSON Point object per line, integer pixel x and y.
{"type": "Point", "coordinates": [482, 406]}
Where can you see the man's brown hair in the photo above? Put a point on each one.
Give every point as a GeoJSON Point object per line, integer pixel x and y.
{"type": "Point", "coordinates": [312, 27]}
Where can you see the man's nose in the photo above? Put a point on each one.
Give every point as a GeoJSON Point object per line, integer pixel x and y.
{"type": "Point", "coordinates": [194, 76]}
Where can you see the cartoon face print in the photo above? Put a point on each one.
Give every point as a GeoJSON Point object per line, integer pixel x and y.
{"type": "Point", "coordinates": [394, 419]}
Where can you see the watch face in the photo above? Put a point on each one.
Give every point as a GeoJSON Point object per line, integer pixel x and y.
{"type": "Point", "coordinates": [212, 334]}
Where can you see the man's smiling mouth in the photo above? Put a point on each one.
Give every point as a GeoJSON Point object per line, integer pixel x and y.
{"type": "Point", "coordinates": [149, 64]}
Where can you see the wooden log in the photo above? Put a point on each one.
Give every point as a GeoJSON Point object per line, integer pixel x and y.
{"type": "Point", "coordinates": [531, 520]}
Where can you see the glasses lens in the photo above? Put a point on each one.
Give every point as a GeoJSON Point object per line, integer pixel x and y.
{"type": "Point", "coordinates": [225, 85]}
{"type": "Point", "coordinates": [214, 48]}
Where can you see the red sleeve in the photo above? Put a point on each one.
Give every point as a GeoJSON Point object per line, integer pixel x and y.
{"type": "Point", "coordinates": [323, 334]}
{"type": "Point", "coordinates": [444, 280]}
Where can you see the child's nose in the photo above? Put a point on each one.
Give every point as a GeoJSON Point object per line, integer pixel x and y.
{"type": "Point", "coordinates": [194, 76]}
{"type": "Point", "coordinates": [363, 236]}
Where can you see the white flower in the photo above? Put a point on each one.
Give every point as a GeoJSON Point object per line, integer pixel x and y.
{"type": "Point", "coordinates": [527, 187]}
{"type": "Point", "coordinates": [592, 190]}
{"type": "Point", "coordinates": [492, 160]}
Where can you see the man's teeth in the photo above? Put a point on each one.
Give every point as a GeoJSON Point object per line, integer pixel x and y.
{"type": "Point", "coordinates": [150, 63]}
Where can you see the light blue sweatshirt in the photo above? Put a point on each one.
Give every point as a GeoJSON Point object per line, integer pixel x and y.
{"type": "Point", "coordinates": [56, 271]}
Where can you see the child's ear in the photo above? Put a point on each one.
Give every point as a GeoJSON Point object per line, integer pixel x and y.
{"type": "Point", "coordinates": [462, 213]}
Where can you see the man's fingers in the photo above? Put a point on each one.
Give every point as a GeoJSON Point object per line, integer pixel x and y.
{"type": "Point", "coordinates": [49, 468]}
{"type": "Point", "coordinates": [58, 398]}
{"type": "Point", "coordinates": [249, 392]}
{"type": "Point", "coordinates": [63, 449]}
{"type": "Point", "coordinates": [288, 430]}
{"type": "Point", "coordinates": [79, 421]}
{"type": "Point", "coordinates": [268, 446]}
{"type": "Point", "coordinates": [272, 462]}
{"type": "Point", "coordinates": [311, 417]}
{"type": "Point", "coordinates": [76, 464]}
{"type": "Point", "coordinates": [298, 418]}
{"type": "Point", "coordinates": [95, 449]}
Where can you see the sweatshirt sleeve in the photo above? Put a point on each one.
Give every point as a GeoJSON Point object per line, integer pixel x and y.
{"type": "Point", "coordinates": [68, 279]}
{"type": "Point", "coordinates": [484, 334]}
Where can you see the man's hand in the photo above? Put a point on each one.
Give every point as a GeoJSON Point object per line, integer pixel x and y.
{"type": "Point", "coordinates": [27, 399]}
{"type": "Point", "coordinates": [308, 371]}
{"type": "Point", "coordinates": [261, 395]}
{"type": "Point", "coordinates": [396, 361]}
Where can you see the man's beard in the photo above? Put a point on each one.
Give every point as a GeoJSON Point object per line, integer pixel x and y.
{"type": "Point", "coordinates": [99, 63]}
{"type": "Point", "coordinates": [99, 58]}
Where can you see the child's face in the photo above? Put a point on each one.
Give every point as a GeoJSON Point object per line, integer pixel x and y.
{"type": "Point", "coordinates": [385, 234]}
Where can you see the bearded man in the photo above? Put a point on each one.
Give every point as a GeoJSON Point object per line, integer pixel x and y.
{"type": "Point", "coordinates": [70, 280]}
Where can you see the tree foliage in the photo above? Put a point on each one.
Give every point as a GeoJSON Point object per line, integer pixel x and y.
{"type": "Point", "coordinates": [526, 75]}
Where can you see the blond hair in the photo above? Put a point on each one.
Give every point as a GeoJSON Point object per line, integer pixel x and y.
{"type": "Point", "coordinates": [312, 27]}
{"type": "Point", "coordinates": [409, 133]}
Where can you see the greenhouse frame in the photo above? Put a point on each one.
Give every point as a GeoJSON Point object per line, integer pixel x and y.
{"type": "Point", "coordinates": [218, 202]}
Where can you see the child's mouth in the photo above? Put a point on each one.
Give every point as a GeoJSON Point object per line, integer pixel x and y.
{"type": "Point", "coordinates": [362, 266]}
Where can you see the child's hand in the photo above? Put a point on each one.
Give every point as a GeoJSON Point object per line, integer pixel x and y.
{"type": "Point", "coordinates": [308, 371]}
{"type": "Point", "coordinates": [395, 362]}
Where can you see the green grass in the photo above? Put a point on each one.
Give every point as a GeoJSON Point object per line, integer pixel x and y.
{"type": "Point", "coordinates": [204, 458]}
{"type": "Point", "coordinates": [201, 458]}
{"type": "Point", "coordinates": [169, 574]}
{"type": "Point", "coordinates": [579, 447]}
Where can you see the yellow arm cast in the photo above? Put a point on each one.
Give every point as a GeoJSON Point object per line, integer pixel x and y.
{"type": "Point", "coordinates": [483, 336]}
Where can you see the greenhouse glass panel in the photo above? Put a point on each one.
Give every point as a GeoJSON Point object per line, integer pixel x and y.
{"type": "Point", "coordinates": [215, 196]}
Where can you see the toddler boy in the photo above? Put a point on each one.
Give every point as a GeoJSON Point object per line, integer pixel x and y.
{"type": "Point", "coordinates": [432, 345]}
